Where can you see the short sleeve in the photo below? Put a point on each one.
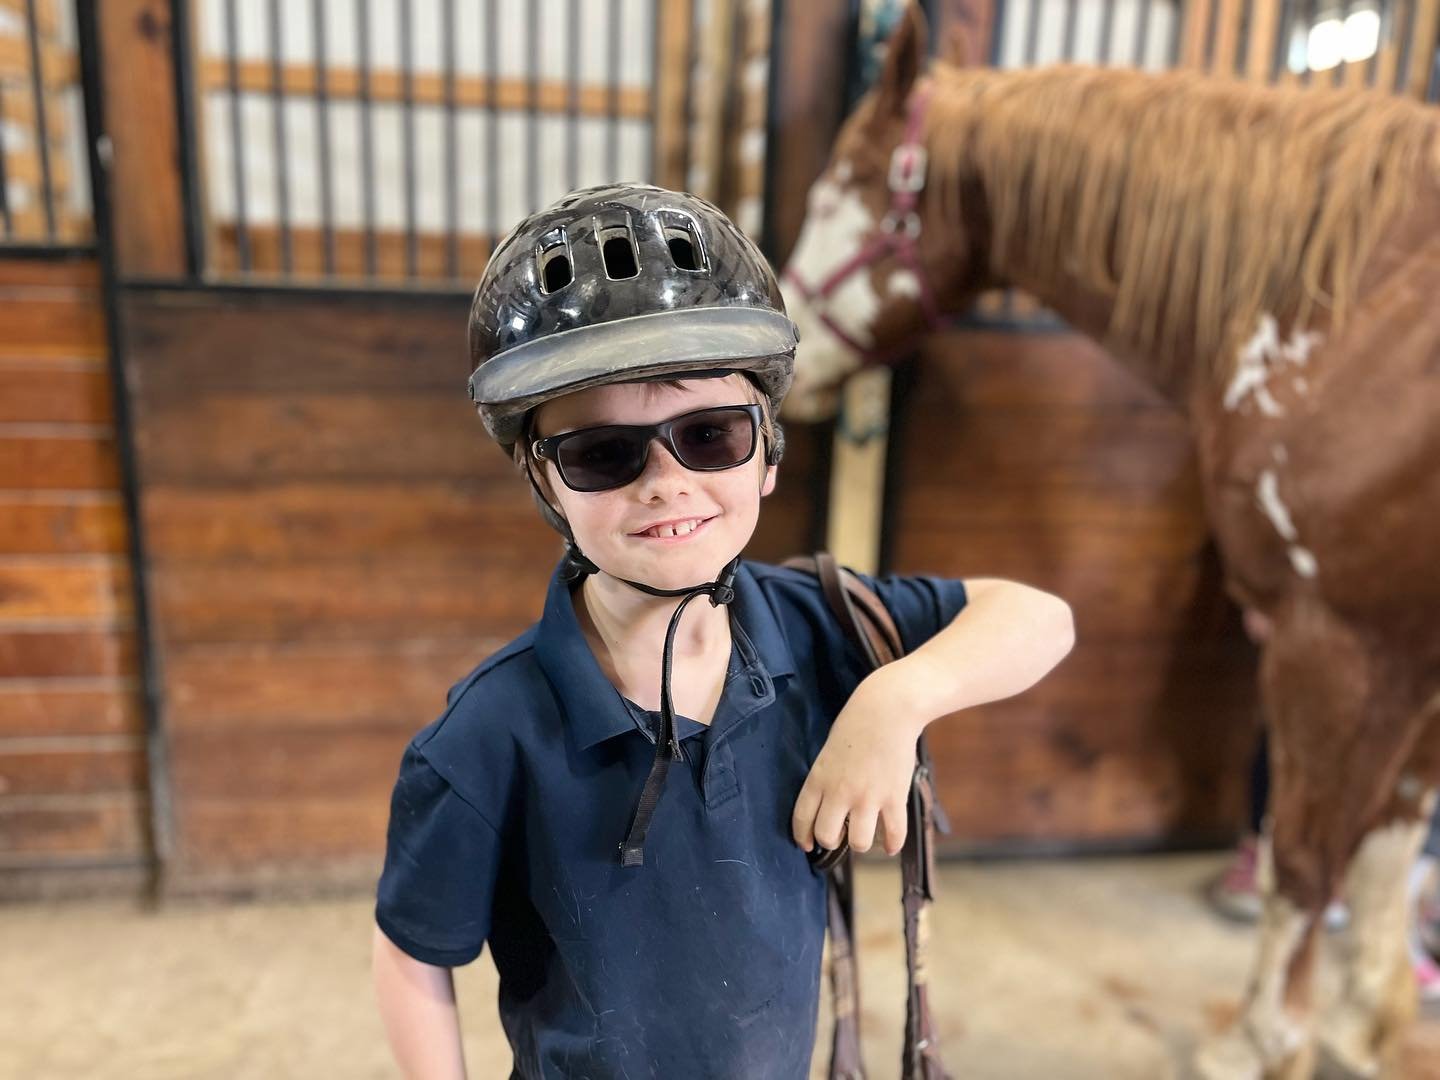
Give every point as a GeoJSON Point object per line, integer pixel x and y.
{"type": "Point", "coordinates": [437, 889]}
{"type": "Point", "coordinates": [920, 606]}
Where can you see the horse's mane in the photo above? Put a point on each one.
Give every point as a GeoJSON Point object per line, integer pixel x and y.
{"type": "Point", "coordinates": [1197, 204]}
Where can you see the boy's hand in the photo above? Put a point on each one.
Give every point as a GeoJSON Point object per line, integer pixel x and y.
{"type": "Point", "coordinates": [862, 774]}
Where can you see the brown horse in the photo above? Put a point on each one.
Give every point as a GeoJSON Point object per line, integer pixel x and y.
{"type": "Point", "coordinates": [1270, 260]}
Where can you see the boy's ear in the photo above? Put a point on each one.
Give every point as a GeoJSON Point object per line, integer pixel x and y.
{"type": "Point", "coordinates": [768, 485]}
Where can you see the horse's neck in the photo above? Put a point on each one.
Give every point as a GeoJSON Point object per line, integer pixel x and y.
{"type": "Point", "coordinates": [1088, 310]}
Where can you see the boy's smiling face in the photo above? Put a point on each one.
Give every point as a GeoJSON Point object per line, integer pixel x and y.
{"type": "Point", "coordinates": [617, 529]}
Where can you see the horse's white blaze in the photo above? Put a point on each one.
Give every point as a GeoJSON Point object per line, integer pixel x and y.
{"type": "Point", "coordinates": [1260, 357]}
{"type": "Point", "coordinates": [836, 227]}
{"type": "Point", "coordinates": [903, 283]}
{"type": "Point", "coordinates": [1373, 947]}
{"type": "Point", "coordinates": [843, 172]}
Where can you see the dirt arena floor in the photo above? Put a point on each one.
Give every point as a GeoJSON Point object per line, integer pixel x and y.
{"type": "Point", "coordinates": [1099, 968]}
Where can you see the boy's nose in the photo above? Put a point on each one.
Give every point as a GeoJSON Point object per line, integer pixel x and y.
{"type": "Point", "coordinates": [663, 476]}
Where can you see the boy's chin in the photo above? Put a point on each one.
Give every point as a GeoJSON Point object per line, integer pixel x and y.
{"type": "Point", "coordinates": [671, 570]}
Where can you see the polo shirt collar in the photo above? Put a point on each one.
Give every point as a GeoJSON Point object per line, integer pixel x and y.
{"type": "Point", "coordinates": [594, 709]}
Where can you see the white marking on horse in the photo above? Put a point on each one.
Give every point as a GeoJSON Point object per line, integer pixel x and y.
{"type": "Point", "coordinates": [903, 283]}
{"type": "Point", "coordinates": [1373, 945]}
{"type": "Point", "coordinates": [836, 226]}
{"type": "Point", "coordinates": [1267, 491]}
{"type": "Point", "coordinates": [1267, 494]}
{"type": "Point", "coordinates": [1260, 357]}
{"type": "Point", "coordinates": [843, 172]}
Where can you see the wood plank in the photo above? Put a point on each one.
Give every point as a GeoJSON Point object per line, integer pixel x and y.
{"type": "Point", "coordinates": [338, 521]}
{"type": "Point", "coordinates": [137, 63]}
{"type": "Point", "coordinates": [62, 525]}
{"type": "Point", "coordinates": [350, 254]}
{"type": "Point", "coordinates": [185, 346]}
{"type": "Point", "coordinates": [214, 833]}
{"type": "Point", "coordinates": [86, 588]}
{"type": "Point", "coordinates": [25, 169]}
{"type": "Point", "coordinates": [1264, 25]}
{"type": "Point", "coordinates": [427, 88]}
{"type": "Point", "coordinates": [378, 599]}
{"type": "Point", "coordinates": [32, 391]}
{"type": "Point", "coordinates": [1426, 35]}
{"type": "Point", "coordinates": [46, 16]}
{"type": "Point", "coordinates": [96, 825]}
{"type": "Point", "coordinates": [39, 653]}
{"type": "Point", "coordinates": [1196, 31]}
{"type": "Point", "coordinates": [79, 463]}
{"type": "Point", "coordinates": [52, 327]}
{"type": "Point", "coordinates": [30, 226]}
{"type": "Point", "coordinates": [42, 707]}
{"type": "Point", "coordinates": [81, 769]}
{"type": "Point", "coordinates": [1227, 38]}
{"type": "Point", "coordinates": [81, 275]}
{"type": "Point", "coordinates": [398, 684]}
{"type": "Point", "coordinates": [1055, 449]}
{"type": "Point", "coordinates": [59, 66]}
{"type": "Point", "coordinates": [708, 119]}
{"type": "Point", "coordinates": [236, 765]}
{"type": "Point", "coordinates": [670, 138]}
{"type": "Point", "coordinates": [258, 439]}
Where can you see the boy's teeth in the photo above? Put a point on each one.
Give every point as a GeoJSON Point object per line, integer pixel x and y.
{"type": "Point", "coordinates": [673, 530]}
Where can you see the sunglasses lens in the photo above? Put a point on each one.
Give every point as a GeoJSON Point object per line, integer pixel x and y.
{"type": "Point", "coordinates": [600, 459]}
{"type": "Point", "coordinates": [715, 439]}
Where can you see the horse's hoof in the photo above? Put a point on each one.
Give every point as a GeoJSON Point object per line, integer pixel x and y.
{"type": "Point", "coordinates": [1230, 1056]}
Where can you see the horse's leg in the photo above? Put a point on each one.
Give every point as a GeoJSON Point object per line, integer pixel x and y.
{"type": "Point", "coordinates": [1334, 752]}
{"type": "Point", "coordinates": [1363, 1027]}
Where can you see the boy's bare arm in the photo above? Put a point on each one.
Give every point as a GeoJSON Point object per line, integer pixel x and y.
{"type": "Point", "coordinates": [417, 1004]}
{"type": "Point", "coordinates": [1004, 640]}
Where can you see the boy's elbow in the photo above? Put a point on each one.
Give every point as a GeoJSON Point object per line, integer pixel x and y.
{"type": "Point", "coordinates": [1062, 623]}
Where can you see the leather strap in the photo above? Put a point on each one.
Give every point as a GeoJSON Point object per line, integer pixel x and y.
{"type": "Point", "coordinates": [868, 625]}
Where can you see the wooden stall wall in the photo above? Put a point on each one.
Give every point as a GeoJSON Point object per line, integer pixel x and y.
{"type": "Point", "coordinates": [74, 811]}
{"type": "Point", "coordinates": [332, 542]}
{"type": "Point", "coordinates": [1036, 457]}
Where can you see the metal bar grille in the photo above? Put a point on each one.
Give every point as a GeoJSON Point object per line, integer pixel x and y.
{"type": "Point", "coordinates": [277, 112]}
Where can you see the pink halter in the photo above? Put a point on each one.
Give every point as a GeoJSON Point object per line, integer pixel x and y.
{"type": "Point", "coordinates": [896, 235]}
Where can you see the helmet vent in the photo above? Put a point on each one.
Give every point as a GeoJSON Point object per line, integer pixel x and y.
{"type": "Point", "coordinates": [617, 248]}
{"type": "Point", "coordinates": [553, 256]}
{"type": "Point", "coordinates": [683, 240]}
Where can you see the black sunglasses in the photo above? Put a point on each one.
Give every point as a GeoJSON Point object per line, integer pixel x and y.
{"type": "Point", "coordinates": [600, 458]}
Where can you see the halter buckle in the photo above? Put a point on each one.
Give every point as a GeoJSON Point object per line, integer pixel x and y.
{"type": "Point", "coordinates": [907, 167]}
{"type": "Point", "coordinates": [907, 223]}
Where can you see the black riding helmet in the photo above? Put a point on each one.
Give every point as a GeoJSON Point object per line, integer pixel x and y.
{"type": "Point", "coordinates": [617, 284]}
{"type": "Point", "coordinates": [621, 284]}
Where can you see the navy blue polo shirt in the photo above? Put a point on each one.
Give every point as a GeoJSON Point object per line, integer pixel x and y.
{"type": "Point", "coordinates": [508, 814]}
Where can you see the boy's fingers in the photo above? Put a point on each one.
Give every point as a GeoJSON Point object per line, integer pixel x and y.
{"type": "Point", "coordinates": [895, 829]}
{"type": "Point", "coordinates": [802, 821]}
{"type": "Point", "coordinates": [861, 828]}
{"type": "Point", "coordinates": [830, 823]}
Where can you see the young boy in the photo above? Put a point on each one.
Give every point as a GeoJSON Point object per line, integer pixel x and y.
{"type": "Point", "coordinates": [637, 864]}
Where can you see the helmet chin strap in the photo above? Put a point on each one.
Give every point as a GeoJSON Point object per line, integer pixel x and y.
{"type": "Point", "coordinates": [667, 744]}
{"type": "Point", "coordinates": [576, 567]}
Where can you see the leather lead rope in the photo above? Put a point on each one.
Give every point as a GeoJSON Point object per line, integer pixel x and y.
{"type": "Point", "coordinates": [869, 626]}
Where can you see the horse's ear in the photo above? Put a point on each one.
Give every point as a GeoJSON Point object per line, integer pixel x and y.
{"type": "Point", "coordinates": [957, 45]}
{"type": "Point", "coordinates": [904, 60]}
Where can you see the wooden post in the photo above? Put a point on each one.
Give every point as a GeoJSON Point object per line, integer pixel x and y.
{"type": "Point", "coordinates": [672, 92]}
{"type": "Point", "coordinates": [1422, 48]}
{"type": "Point", "coordinates": [1227, 38]}
{"type": "Point", "coordinates": [142, 122]}
{"type": "Point", "coordinates": [1192, 41]}
{"type": "Point", "coordinates": [1264, 25]}
{"type": "Point", "coordinates": [855, 523]}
